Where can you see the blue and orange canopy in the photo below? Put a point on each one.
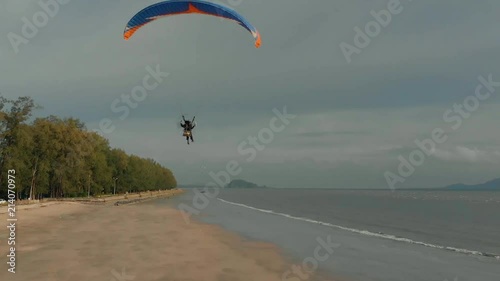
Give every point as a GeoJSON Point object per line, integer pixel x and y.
{"type": "Point", "coordinates": [181, 7]}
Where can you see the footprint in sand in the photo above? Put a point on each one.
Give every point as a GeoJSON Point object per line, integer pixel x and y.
{"type": "Point", "coordinates": [228, 270]}
{"type": "Point", "coordinates": [228, 274]}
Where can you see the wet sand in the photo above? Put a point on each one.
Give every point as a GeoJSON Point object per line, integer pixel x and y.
{"type": "Point", "coordinates": [74, 241]}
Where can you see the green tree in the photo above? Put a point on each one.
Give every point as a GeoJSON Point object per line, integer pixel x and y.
{"type": "Point", "coordinates": [56, 157]}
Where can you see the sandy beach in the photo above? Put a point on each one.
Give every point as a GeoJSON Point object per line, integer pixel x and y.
{"type": "Point", "coordinates": [74, 241]}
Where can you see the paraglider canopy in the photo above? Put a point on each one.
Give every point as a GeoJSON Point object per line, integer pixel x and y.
{"type": "Point", "coordinates": [182, 7]}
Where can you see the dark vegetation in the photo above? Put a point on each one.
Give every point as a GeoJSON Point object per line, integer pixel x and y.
{"type": "Point", "coordinates": [58, 157]}
{"type": "Point", "coordinates": [243, 184]}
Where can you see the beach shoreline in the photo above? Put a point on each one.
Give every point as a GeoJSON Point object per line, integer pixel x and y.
{"type": "Point", "coordinates": [145, 195]}
{"type": "Point", "coordinates": [77, 241]}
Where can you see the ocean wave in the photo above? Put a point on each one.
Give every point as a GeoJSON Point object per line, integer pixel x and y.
{"type": "Point", "coordinates": [370, 233]}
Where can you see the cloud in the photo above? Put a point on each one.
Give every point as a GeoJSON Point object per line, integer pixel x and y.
{"type": "Point", "coordinates": [465, 154]}
{"type": "Point", "coordinates": [353, 120]}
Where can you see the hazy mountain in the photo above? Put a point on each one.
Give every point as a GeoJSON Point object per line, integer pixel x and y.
{"type": "Point", "coordinates": [490, 185]}
{"type": "Point", "coordinates": [243, 184]}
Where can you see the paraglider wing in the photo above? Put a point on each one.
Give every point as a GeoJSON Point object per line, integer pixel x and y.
{"type": "Point", "coordinates": [182, 7]}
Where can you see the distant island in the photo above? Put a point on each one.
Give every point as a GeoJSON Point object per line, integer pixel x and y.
{"type": "Point", "coordinates": [243, 184]}
{"type": "Point", "coordinates": [489, 185]}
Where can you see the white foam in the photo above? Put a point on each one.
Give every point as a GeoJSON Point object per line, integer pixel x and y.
{"type": "Point", "coordinates": [368, 233]}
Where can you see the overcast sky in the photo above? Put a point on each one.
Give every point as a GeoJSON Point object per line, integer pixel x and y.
{"type": "Point", "coordinates": [352, 120]}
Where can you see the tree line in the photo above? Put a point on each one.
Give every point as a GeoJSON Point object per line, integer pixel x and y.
{"type": "Point", "coordinates": [58, 157]}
